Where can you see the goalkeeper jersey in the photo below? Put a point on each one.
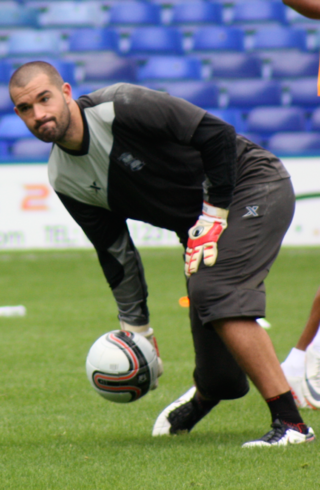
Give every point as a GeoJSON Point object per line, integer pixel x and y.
{"type": "Point", "coordinates": [146, 155]}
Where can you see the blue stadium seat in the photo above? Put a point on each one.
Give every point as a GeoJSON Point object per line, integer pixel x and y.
{"type": "Point", "coordinates": [250, 93]}
{"type": "Point", "coordinates": [211, 38]}
{"type": "Point", "coordinates": [132, 13]}
{"type": "Point", "coordinates": [254, 137]}
{"type": "Point", "coordinates": [6, 70]}
{"type": "Point", "coordinates": [259, 11]}
{"type": "Point", "coordinates": [116, 69]}
{"type": "Point", "coordinates": [315, 120]}
{"type": "Point", "coordinates": [31, 42]}
{"type": "Point", "coordinates": [170, 68]}
{"type": "Point", "coordinates": [12, 127]}
{"type": "Point", "coordinates": [30, 148]}
{"type": "Point", "coordinates": [4, 150]}
{"type": "Point", "coordinates": [89, 39]}
{"type": "Point", "coordinates": [66, 68]}
{"type": "Point", "coordinates": [287, 143]}
{"type": "Point", "coordinates": [68, 13]}
{"type": "Point", "coordinates": [279, 38]}
{"type": "Point", "coordinates": [269, 120]}
{"type": "Point", "coordinates": [156, 40]}
{"type": "Point", "coordinates": [294, 64]}
{"type": "Point", "coordinates": [14, 15]}
{"type": "Point", "coordinates": [303, 92]}
{"type": "Point", "coordinates": [5, 102]}
{"type": "Point", "coordinates": [195, 12]}
{"type": "Point", "coordinates": [200, 93]}
{"type": "Point", "coordinates": [236, 65]}
{"type": "Point", "coordinates": [231, 116]}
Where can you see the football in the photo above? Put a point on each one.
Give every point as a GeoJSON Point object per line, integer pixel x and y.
{"type": "Point", "coordinates": [122, 366]}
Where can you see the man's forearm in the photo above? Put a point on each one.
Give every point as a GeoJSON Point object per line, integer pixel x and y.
{"type": "Point", "coordinates": [308, 8]}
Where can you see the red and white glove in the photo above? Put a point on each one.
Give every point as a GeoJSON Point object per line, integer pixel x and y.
{"type": "Point", "coordinates": [203, 237]}
{"type": "Point", "coordinates": [147, 332]}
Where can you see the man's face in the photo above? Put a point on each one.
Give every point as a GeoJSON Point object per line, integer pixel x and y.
{"type": "Point", "coordinates": [43, 108]}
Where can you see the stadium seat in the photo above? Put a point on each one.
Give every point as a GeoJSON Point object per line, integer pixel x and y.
{"type": "Point", "coordinates": [132, 13]}
{"type": "Point", "coordinates": [259, 11]}
{"type": "Point", "coordinates": [303, 92]}
{"type": "Point", "coordinates": [170, 67]}
{"type": "Point", "coordinates": [6, 70]}
{"type": "Point", "coordinates": [279, 38]}
{"type": "Point", "coordinates": [202, 94]}
{"type": "Point", "coordinates": [254, 137]}
{"type": "Point", "coordinates": [211, 38]}
{"type": "Point", "coordinates": [31, 42]}
{"type": "Point", "coordinates": [89, 39]}
{"type": "Point", "coordinates": [156, 40]}
{"type": "Point", "coordinates": [64, 13]}
{"type": "Point", "coordinates": [5, 102]}
{"type": "Point", "coordinates": [231, 116]}
{"type": "Point", "coordinates": [294, 143]}
{"type": "Point", "coordinates": [4, 151]}
{"type": "Point", "coordinates": [269, 120]}
{"type": "Point", "coordinates": [29, 148]}
{"type": "Point", "coordinates": [197, 12]}
{"type": "Point", "coordinates": [14, 15]}
{"type": "Point", "coordinates": [66, 68]}
{"type": "Point", "coordinates": [315, 120]}
{"type": "Point", "coordinates": [294, 64]}
{"type": "Point", "coordinates": [249, 93]}
{"type": "Point", "coordinates": [12, 127]}
{"type": "Point", "coordinates": [116, 69]}
{"type": "Point", "coordinates": [236, 65]}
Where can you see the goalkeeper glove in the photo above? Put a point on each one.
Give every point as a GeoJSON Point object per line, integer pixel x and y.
{"type": "Point", "coordinates": [203, 237]}
{"type": "Point", "coordinates": [147, 332]}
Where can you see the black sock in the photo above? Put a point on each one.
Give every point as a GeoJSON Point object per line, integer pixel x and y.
{"type": "Point", "coordinates": [283, 407]}
{"type": "Point", "coordinates": [204, 405]}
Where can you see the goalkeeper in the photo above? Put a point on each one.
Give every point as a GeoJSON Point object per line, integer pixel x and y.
{"type": "Point", "coordinates": [129, 152]}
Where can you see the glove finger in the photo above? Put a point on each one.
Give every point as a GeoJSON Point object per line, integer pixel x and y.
{"type": "Point", "coordinates": [193, 257]}
{"type": "Point", "coordinates": [210, 252]}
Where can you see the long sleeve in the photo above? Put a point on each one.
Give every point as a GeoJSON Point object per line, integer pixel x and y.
{"type": "Point", "coordinates": [118, 257]}
{"type": "Point", "coordinates": [216, 141]}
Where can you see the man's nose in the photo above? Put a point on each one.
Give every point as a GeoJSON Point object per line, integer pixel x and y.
{"type": "Point", "coordinates": [39, 112]}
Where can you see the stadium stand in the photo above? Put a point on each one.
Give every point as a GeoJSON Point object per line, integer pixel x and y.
{"type": "Point", "coordinates": [252, 62]}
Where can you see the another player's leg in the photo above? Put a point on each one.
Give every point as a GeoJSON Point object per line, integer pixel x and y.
{"type": "Point", "coordinates": [302, 366]}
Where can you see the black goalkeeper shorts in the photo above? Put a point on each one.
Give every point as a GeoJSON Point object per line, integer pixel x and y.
{"type": "Point", "coordinates": [258, 220]}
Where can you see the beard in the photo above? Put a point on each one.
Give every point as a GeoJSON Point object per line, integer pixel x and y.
{"type": "Point", "coordinates": [56, 131]}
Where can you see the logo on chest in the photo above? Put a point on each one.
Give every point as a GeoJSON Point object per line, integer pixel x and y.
{"type": "Point", "coordinates": [130, 161]}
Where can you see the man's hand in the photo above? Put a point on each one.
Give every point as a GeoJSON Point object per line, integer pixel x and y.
{"type": "Point", "coordinates": [203, 237]}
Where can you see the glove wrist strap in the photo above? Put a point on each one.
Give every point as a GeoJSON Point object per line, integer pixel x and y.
{"type": "Point", "coordinates": [211, 213]}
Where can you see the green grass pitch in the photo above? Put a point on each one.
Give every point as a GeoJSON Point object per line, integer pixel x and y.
{"type": "Point", "coordinates": [57, 433]}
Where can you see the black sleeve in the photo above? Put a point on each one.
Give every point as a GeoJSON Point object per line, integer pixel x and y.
{"type": "Point", "coordinates": [216, 141]}
{"type": "Point", "coordinates": [118, 257]}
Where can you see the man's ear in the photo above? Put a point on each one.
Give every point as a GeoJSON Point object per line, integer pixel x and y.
{"type": "Point", "coordinates": [67, 92]}
{"type": "Point", "coordinates": [16, 111]}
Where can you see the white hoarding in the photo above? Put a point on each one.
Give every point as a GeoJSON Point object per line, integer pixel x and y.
{"type": "Point", "coordinates": [33, 217]}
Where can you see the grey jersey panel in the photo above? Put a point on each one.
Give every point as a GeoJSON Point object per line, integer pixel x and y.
{"type": "Point", "coordinates": [85, 177]}
{"type": "Point", "coordinates": [131, 294]}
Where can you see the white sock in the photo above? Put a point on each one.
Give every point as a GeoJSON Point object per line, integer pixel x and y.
{"type": "Point", "coordinates": [316, 341]}
{"type": "Point", "coordinates": [293, 365]}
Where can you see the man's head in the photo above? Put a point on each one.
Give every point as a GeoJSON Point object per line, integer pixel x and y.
{"type": "Point", "coordinates": [41, 100]}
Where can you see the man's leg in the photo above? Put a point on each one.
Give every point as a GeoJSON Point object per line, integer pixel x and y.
{"type": "Point", "coordinates": [252, 348]}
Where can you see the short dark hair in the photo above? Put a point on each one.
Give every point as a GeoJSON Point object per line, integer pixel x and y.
{"type": "Point", "coordinates": [25, 73]}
